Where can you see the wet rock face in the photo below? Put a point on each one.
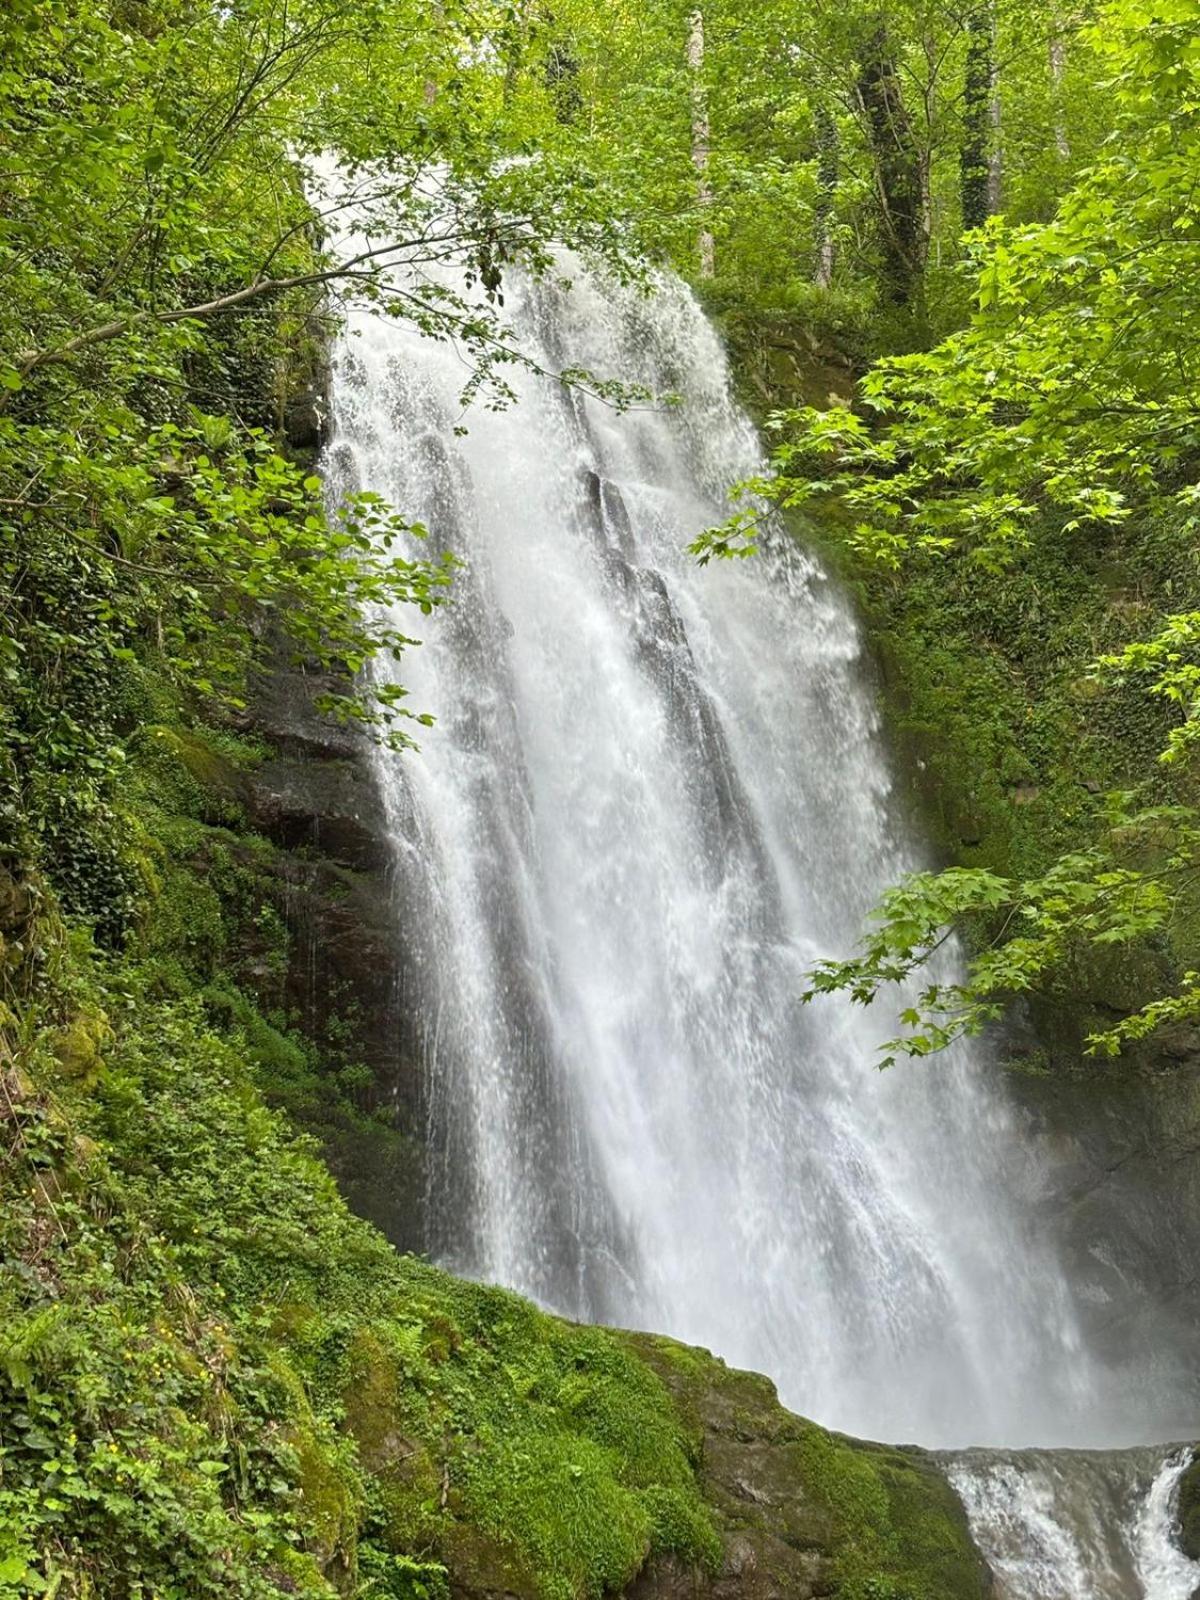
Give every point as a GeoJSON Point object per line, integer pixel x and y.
{"type": "Point", "coordinates": [1115, 1165]}
{"type": "Point", "coordinates": [777, 1538]}
{"type": "Point", "coordinates": [306, 410]}
{"type": "Point", "coordinates": [315, 798]}
{"type": "Point", "coordinates": [306, 419]}
{"type": "Point", "coordinates": [325, 806]}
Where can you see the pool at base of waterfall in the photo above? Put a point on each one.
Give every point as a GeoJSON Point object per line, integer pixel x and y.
{"type": "Point", "coordinates": [1078, 1524]}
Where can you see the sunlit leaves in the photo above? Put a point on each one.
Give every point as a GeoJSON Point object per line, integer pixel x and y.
{"type": "Point", "coordinates": [1071, 396]}
{"type": "Point", "coordinates": [1022, 934]}
{"type": "Point", "coordinates": [166, 289]}
{"type": "Point", "coordinates": [1169, 665]}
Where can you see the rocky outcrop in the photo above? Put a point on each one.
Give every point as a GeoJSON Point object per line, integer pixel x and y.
{"type": "Point", "coordinates": [801, 1512]}
{"type": "Point", "coordinates": [316, 800]}
{"type": "Point", "coordinates": [1115, 1169]}
{"type": "Point", "coordinates": [779, 361]}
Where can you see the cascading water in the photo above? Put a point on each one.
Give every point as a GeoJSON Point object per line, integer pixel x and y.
{"type": "Point", "coordinates": [653, 795]}
{"type": "Point", "coordinates": [1068, 1525]}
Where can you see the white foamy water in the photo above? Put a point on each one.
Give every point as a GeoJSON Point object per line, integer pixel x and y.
{"type": "Point", "coordinates": [654, 795]}
{"type": "Point", "coordinates": [1071, 1525]}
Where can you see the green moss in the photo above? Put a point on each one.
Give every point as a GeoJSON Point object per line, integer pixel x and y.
{"type": "Point", "coordinates": [683, 1528]}
{"type": "Point", "coordinates": [79, 1046]}
{"type": "Point", "coordinates": [191, 772]}
{"type": "Point", "coordinates": [1189, 1511]}
{"type": "Point", "coordinates": [616, 1401]}
{"type": "Point", "coordinates": [328, 1503]}
{"type": "Point", "coordinates": [885, 1524]}
{"type": "Point", "coordinates": [932, 1538]}
{"type": "Point", "coordinates": [901, 1531]}
{"type": "Point", "coordinates": [847, 1483]}
{"type": "Point", "coordinates": [561, 1502]}
{"type": "Point", "coordinates": [685, 1359]}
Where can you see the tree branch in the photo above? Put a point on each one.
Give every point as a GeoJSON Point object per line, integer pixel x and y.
{"type": "Point", "coordinates": [27, 360]}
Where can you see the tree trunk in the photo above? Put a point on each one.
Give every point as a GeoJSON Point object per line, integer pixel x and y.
{"type": "Point", "coordinates": [896, 155]}
{"type": "Point", "coordinates": [700, 136]}
{"type": "Point", "coordinates": [562, 80]}
{"type": "Point", "coordinates": [1058, 71]}
{"type": "Point", "coordinates": [974, 164]}
{"type": "Point", "coordinates": [995, 186]}
{"type": "Point", "coordinates": [429, 90]}
{"type": "Point", "coordinates": [827, 180]}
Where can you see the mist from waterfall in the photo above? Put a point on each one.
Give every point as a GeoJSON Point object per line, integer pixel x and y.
{"type": "Point", "coordinates": [654, 794]}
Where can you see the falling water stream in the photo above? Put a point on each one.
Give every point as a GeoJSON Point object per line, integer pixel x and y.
{"type": "Point", "coordinates": [1072, 1525]}
{"type": "Point", "coordinates": [654, 794]}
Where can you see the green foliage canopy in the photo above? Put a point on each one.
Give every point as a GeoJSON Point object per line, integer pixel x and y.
{"type": "Point", "coordinates": [167, 281]}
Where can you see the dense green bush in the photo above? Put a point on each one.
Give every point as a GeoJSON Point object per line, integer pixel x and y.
{"type": "Point", "coordinates": [213, 1375]}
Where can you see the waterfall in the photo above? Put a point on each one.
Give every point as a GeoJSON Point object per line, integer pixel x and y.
{"type": "Point", "coordinates": [653, 795]}
{"type": "Point", "coordinates": [1070, 1525]}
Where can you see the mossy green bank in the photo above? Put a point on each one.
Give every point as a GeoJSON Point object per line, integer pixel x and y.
{"type": "Point", "coordinates": [215, 1380]}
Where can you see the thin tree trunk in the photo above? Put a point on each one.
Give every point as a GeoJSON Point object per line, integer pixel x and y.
{"type": "Point", "coordinates": [1058, 71]}
{"type": "Point", "coordinates": [901, 189]}
{"type": "Point", "coordinates": [562, 80]}
{"type": "Point", "coordinates": [974, 163]}
{"type": "Point", "coordinates": [995, 183]}
{"type": "Point", "coordinates": [827, 180]}
{"type": "Point", "coordinates": [700, 136]}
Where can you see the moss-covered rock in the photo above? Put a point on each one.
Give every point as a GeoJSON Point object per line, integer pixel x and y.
{"type": "Point", "coordinates": [328, 1505]}
{"type": "Point", "coordinates": [79, 1045]}
{"type": "Point", "coordinates": [249, 898]}
{"type": "Point", "coordinates": [804, 1512]}
{"type": "Point", "coordinates": [1188, 1511]}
